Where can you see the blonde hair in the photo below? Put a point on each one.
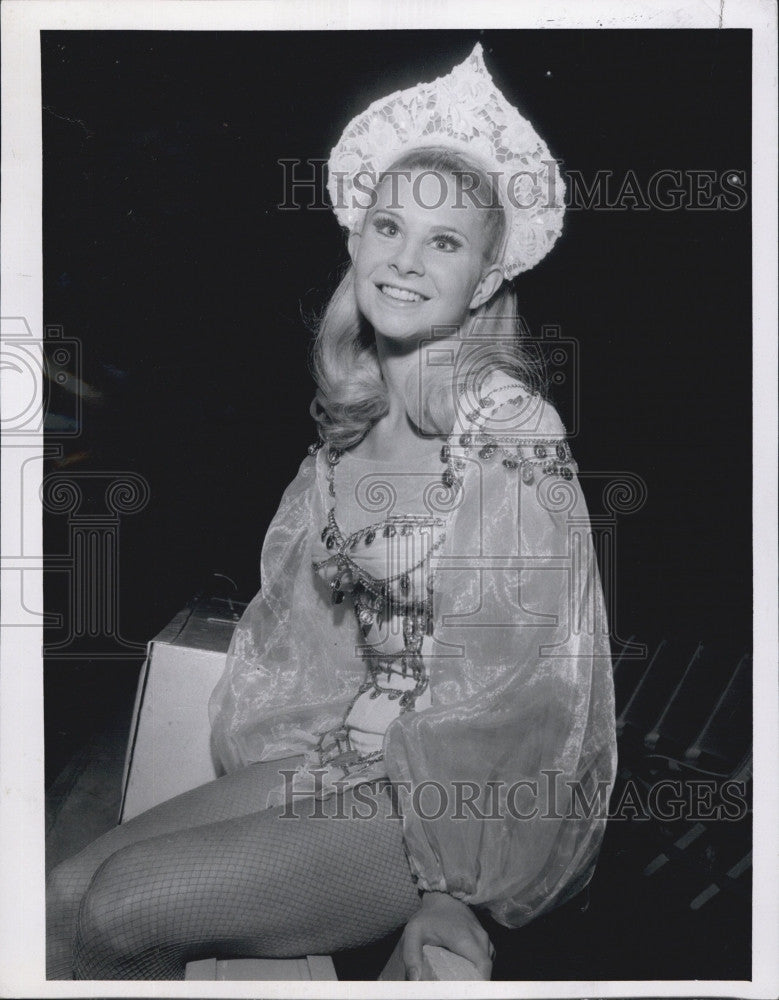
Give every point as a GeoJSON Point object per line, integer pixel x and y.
{"type": "Point", "coordinates": [351, 395]}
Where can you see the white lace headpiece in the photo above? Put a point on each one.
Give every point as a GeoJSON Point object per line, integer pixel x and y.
{"type": "Point", "coordinates": [466, 112]}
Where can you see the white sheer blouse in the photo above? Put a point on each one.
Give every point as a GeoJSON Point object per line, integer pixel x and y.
{"type": "Point", "coordinates": [514, 711]}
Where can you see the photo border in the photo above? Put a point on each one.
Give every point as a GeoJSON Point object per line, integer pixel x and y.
{"type": "Point", "coordinates": [21, 687]}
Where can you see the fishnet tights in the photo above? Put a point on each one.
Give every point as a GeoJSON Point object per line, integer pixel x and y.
{"type": "Point", "coordinates": [211, 874]}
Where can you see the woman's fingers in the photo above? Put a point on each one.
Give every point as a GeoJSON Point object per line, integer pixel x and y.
{"type": "Point", "coordinates": [477, 950]}
{"type": "Point", "coordinates": [412, 951]}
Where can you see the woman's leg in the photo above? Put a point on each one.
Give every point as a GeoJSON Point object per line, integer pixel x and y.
{"type": "Point", "coordinates": [260, 885]}
{"type": "Point", "coordinates": [236, 794]}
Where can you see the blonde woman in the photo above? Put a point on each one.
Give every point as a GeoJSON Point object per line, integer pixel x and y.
{"type": "Point", "coordinates": [418, 703]}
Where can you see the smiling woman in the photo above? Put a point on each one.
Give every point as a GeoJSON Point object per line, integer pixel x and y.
{"type": "Point", "coordinates": [429, 256]}
{"type": "Point", "coordinates": [435, 230]}
{"type": "Point", "coordinates": [441, 506]}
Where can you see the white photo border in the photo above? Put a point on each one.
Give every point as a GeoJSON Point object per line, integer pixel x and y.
{"type": "Point", "coordinates": [21, 688]}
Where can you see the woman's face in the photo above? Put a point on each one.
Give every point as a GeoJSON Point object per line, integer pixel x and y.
{"type": "Point", "coordinates": [418, 266]}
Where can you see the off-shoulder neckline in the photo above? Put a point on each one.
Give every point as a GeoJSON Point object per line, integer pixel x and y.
{"type": "Point", "coordinates": [419, 460]}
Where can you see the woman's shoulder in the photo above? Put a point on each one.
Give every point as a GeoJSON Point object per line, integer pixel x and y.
{"type": "Point", "coordinates": [506, 405]}
{"type": "Point", "coordinates": [512, 425]}
{"type": "Point", "coordinates": [299, 488]}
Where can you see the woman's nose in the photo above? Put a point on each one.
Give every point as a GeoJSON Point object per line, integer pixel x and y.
{"type": "Point", "coordinates": [408, 258]}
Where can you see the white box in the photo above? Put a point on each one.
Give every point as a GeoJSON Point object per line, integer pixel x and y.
{"type": "Point", "coordinates": [169, 749]}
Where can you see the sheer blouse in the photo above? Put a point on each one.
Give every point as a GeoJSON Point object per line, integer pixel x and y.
{"type": "Point", "coordinates": [503, 754]}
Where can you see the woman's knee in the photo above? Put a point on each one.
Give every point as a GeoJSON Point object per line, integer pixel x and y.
{"type": "Point", "coordinates": [111, 924]}
{"type": "Point", "coordinates": [66, 884]}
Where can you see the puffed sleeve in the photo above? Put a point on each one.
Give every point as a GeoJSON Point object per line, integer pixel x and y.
{"type": "Point", "coordinates": [286, 677]}
{"type": "Point", "coordinates": [503, 782]}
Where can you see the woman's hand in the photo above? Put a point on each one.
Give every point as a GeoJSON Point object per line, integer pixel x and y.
{"type": "Point", "coordinates": [444, 921]}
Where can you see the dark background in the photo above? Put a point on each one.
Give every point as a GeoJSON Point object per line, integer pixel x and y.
{"type": "Point", "coordinates": [166, 256]}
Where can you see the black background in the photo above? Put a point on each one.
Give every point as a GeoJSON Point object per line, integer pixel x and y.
{"type": "Point", "coordinates": [166, 256]}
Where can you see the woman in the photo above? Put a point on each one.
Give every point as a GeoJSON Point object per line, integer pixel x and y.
{"type": "Point", "coordinates": [417, 706]}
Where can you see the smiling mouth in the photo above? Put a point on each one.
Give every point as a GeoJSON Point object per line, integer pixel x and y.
{"type": "Point", "coordinates": [401, 294]}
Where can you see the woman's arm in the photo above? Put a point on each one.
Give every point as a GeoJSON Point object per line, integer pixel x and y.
{"type": "Point", "coordinates": [520, 738]}
{"type": "Point", "coordinates": [444, 921]}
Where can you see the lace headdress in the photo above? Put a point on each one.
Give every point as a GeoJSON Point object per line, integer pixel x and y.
{"type": "Point", "coordinates": [463, 111]}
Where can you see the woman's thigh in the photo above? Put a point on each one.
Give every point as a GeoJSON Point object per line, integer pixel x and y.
{"type": "Point", "coordinates": [238, 794]}
{"type": "Point", "coordinates": [266, 884]}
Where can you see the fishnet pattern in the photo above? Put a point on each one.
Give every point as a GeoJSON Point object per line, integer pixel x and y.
{"type": "Point", "coordinates": [169, 887]}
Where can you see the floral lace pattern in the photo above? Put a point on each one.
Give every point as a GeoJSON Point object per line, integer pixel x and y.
{"type": "Point", "coordinates": [463, 111]}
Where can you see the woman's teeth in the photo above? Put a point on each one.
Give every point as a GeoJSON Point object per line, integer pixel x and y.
{"type": "Point", "coordinates": [400, 293]}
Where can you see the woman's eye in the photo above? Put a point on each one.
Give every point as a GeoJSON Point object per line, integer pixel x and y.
{"type": "Point", "coordinates": [386, 227]}
{"type": "Point", "coordinates": [447, 243]}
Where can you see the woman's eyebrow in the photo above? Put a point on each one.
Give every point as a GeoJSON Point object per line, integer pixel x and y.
{"type": "Point", "coordinates": [378, 210]}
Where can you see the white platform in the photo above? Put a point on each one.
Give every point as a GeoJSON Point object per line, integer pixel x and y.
{"type": "Point", "coordinates": [169, 750]}
{"type": "Point", "coordinates": [263, 970]}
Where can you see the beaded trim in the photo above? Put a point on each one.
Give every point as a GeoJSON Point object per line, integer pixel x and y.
{"type": "Point", "coordinates": [372, 596]}
{"type": "Point", "coordinates": [377, 588]}
{"type": "Point", "coordinates": [343, 755]}
{"type": "Point", "coordinates": [550, 456]}
{"type": "Point", "coordinates": [373, 600]}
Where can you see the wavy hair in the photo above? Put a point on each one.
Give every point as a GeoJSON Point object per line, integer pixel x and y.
{"type": "Point", "coordinates": [351, 394]}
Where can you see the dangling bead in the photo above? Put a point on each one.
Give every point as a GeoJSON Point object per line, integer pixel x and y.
{"type": "Point", "coordinates": [389, 530]}
{"type": "Point", "coordinates": [404, 583]}
{"type": "Point", "coordinates": [527, 473]}
{"type": "Point", "coordinates": [510, 463]}
{"type": "Point", "coordinates": [330, 542]}
{"type": "Point", "coordinates": [465, 440]}
{"type": "Point", "coordinates": [338, 596]}
{"type": "Point", "coordinates": [487, 451]}
{"type": "Point", "coordinates": [565, 472]}
{"type": "Point", "coordinates": [445, 453]}
{"type": "Point", "coordinates": [560, 449]}
{"type": "Point", "coordinates": [370, 537]}
{"type": "Point", "coordinates": [448, 478]}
